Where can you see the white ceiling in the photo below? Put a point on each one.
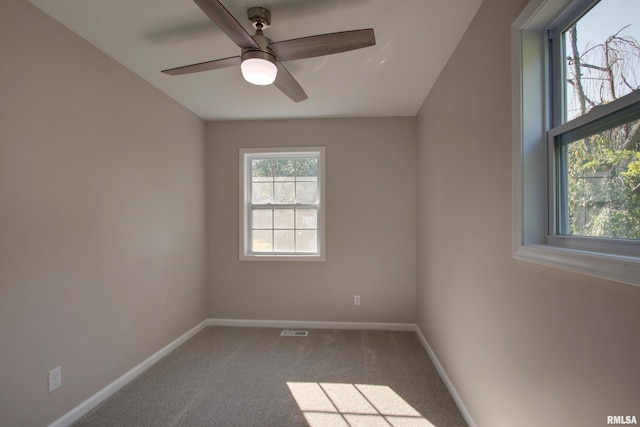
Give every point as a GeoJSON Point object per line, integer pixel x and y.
{"type": "Point", "coordinates": [414, 39]}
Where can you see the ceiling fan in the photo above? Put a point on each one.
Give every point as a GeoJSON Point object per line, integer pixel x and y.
{"type": "Point", "coordinates": [260, 60]}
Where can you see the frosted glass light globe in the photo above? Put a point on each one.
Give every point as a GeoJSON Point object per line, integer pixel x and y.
{"type": "Point", "coordinates": [259, 71]}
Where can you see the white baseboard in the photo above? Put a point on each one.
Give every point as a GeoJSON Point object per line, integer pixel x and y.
{"type": "Point", "coordinates": [76, 413]}
{"type": "Point", "coordinates": [312, 324]}
{"type": "Point", "coordinates": [445, 378]}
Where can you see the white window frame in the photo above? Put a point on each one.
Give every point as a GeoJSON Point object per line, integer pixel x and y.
{"type": "Point", "coordinates": [245, 155]}
{"type": "Point", "coordinates": [534, 236]}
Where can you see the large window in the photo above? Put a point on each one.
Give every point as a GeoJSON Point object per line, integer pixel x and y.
{"type": "Point", "coordinates": [282, 204]}
{"type": "Point", "coordinates": [577, 134]}
{"type": "Point", "coordinates": [595, 142]}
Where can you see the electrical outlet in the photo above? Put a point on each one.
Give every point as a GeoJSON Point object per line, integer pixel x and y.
{"type": "Point", "coordinates": [55, 378]}
{"type": "Point", "coordinates": [356, 300]}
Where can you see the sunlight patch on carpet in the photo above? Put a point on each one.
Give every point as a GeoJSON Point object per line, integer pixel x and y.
{"type": "Point", "coordinates": [351, 405]}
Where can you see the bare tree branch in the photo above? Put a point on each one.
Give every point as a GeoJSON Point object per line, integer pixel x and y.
{"type": "Point", "coordinates": [573, 35]}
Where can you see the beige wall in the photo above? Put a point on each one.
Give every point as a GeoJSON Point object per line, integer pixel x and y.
{"type": "Point", "coordinates": [524, 345]}
{"type": "Point", "coordinates": [101, 218]}
{"type": "Point", "coordinates": [370, 224]}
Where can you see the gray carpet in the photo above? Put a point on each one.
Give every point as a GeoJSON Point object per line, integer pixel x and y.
{"type": "Point", "coordinates": [227, 376]}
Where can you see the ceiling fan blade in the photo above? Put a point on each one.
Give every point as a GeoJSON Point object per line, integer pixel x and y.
{"type": "Point", "coordinates": [227, 23]}
{"type": "Point", "coordinates": [288, 84]}
{"type": "Point", "coordinates": [324, 44]}
{"type": "Point", "coordinates": [204, 66]}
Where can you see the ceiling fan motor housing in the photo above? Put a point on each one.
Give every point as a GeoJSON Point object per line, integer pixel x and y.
{"type": "Point", "coordinates": [264, 52]}
{"type": "Point", "coordinates": [257, 54]}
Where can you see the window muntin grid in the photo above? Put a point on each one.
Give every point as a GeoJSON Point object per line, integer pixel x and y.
{"type": "Point", "coordinates": [283, 203]}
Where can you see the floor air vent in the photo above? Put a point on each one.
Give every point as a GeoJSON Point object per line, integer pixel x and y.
{"type": "Point", "coordinates": [294, 333]}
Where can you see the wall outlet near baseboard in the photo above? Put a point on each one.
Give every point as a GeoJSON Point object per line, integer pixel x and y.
{"type": "Point", "coordinates": [356, 300]}
{"type": "Point", "coordinates": [55, 378]}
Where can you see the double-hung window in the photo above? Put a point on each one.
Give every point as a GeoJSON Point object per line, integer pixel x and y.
{"type": "Point", "coordinates": [577, 134]}
{"type": "Point", "coordinates": [282, 204]}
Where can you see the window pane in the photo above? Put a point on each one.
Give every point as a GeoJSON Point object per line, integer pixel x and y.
{"type": "Point", "coordinates": [602, 55]}
{"type": "Point", "coordinates": [284, 241]}
{"type": "Point", "coordinates": [262, 192]}
{"type": "Point", "coordinates": [306, 218]}
{"type": "Point", "coordinates": [262, 218]}
{"type": "Point", "coordinates": [285, 192]}
{"type": "Point", "coordinates": [307, 192]}
{"type": "Point", "coordinates": [262, 241]}
{"type": "Point", "coordinates": [283, 168]}
{"type": "Point", "coordinates": [601, 196]}
{"type": "Point", "coordinates": [261, 170]}
{"type": "Point", "coordinates": [307, 241]}
{"type": "Point", "coordinates": [283, 218]}
{"type": "Point", "coordinates": [306, 167]}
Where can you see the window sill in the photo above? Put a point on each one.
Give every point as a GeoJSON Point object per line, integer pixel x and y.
{"type": "Point", "coordinates": [297, 258]}
{"type": "Point", "coordinates": [619, 268]}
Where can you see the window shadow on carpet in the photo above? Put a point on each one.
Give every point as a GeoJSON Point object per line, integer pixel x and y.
{"type": "Point", "coordinates": [339, 404]}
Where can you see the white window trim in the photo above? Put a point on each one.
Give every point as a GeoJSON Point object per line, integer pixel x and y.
{"type": "Point", "coordinates": [244, 220]}
{"type": "Point", "coordinates": [530, 179]}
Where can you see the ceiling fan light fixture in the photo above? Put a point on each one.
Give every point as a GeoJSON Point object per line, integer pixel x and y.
{"type": "Point", "coordinates": [259, 68]}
